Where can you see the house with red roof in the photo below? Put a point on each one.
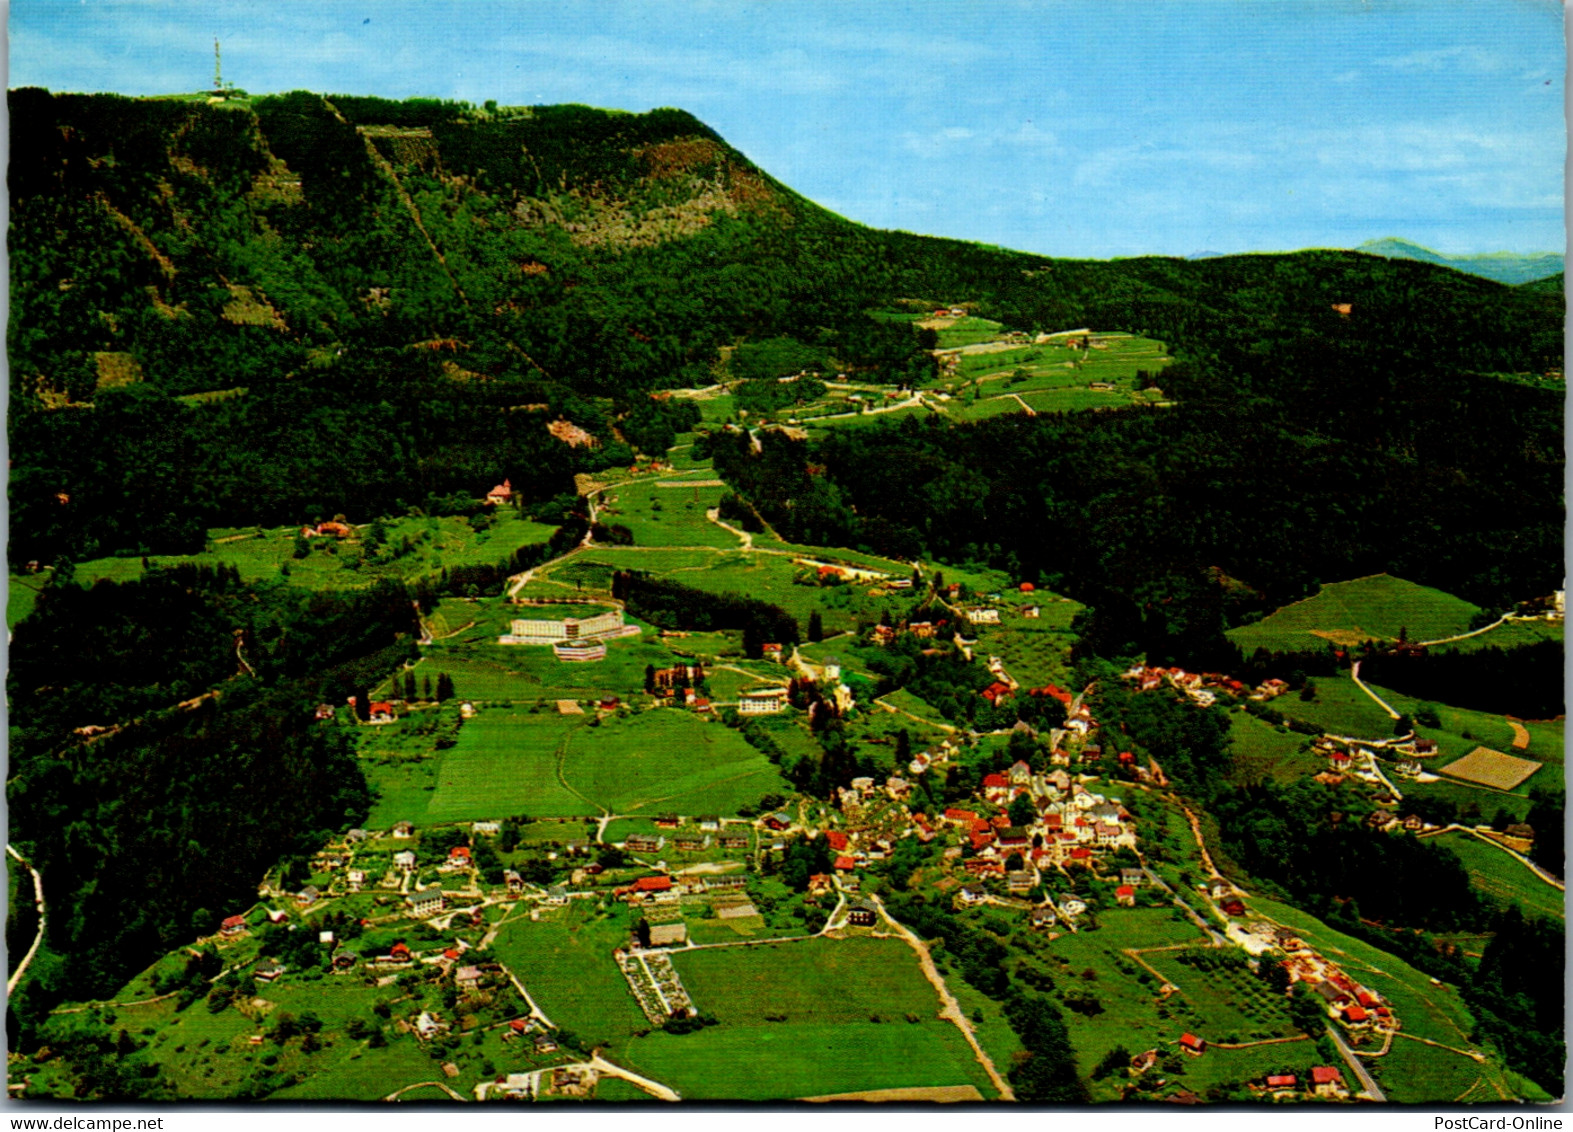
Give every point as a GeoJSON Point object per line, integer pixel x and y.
{"type": "Point", "coordinates": [997, 691]}
{"type": "Point", "coordinates": [981, 841]}
{"type": "Point", "coordinates": [1193, 1045]}
{"type": "Point", "coordinates": [966, 817]}
{"type": "Point", "coordinates": [1126, 895]}
{"type": "Point", "coordinates": [836, 840]}
{"type": "Point", "coordinates": [459, 853]}
{"type": "Point", "coordinates": [996, 787]}
{"type": "Point", "coordinates": [500, 494]}
{"type": "Point", "coordinates": [232, 925]}
{"type": "Point", "coordinates": [1326, 1081]}
{"type": "Point", "coordinates": [845, 864]}
{"type": "Point", "coordinates": [1356, 1015]}
{"type": "Point", "coordinates": [1281, 1081]}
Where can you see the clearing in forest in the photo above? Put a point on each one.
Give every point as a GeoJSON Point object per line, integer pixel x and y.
{"type": "Point", "coordinates": [1379, 607]}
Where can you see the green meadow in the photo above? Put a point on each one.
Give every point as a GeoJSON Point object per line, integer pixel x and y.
{"type": "Point", "coordinates": [1379, 607]}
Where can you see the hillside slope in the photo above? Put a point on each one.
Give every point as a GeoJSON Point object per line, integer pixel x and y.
{"type": "Point", "coordinates": [395, 298]}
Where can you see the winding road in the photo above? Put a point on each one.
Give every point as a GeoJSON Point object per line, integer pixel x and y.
{"type": "Point", "coordinates": [38, 900]}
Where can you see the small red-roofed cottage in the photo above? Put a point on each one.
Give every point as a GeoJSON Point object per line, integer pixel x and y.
{"type": "Point", "coordinates": [399, 952]}
{"type": "Point", "coordinates": [965, 817]}
{"type": "Point", "coordinates": [1081, 853]}
{"type": "Point", "coordinates": [459, 853]}
{"type": "Point", "coordinates": [1127, 758]}
{"type": "Point", "coordinates": [996, 787]}
{"type": "Point", "coordinates": [1233, 908]}
{"type": "Point", "coordinates": [1356, 1015]}
{"type": "Point", "coordinates": [1053, 691]}
{"type": "Point", "coordinates": [836, 840]}
{"type": "Point", "coordinates": [518, 1025]}
{"type": "Point", "coordinates": [997, 691]}
{"type": "Point", "coordinates": [1000, 821]}
{"type": "Point", "coordinates": [1366, 999]}
{"type": "Point", "coordinates": [1193, 1045]}
{"type": "Point", "coordinates": [845, 864]}
{"type": "Point", "coordinates": [500, 494]}
{"type": "Point", "coordinates": [1281, 1081]}
{"type": "Point", "coordinates": [233, 925]}
{"type": "Point", "coordinates": [1126, 895]}
{"type": "Point", "coordinates": [981, 841]}
{"type": "Point", "coordinates": [1326, 1081]}
{"type": "Point", "coordinates": [1028, 587]}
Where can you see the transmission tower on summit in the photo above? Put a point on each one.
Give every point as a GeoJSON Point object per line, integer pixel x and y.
{"type": "Point", "coordinates": [218, 74]}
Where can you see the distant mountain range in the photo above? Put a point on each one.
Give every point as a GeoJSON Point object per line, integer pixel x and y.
{"type": "Point", "coordinates": [1504, 267]}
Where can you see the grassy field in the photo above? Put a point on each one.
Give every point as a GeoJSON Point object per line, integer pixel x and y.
{"type": "Point", "coordinates": [565, 962]}
{"type": "Point", "coordinates": [545, 764]}
{"type": "Point", "coordinates": [911, 705]}
{"type": "Point", "coordinates": [1379, 607]}
{"type": "Point", "coordinates": [667, 515]}
{"type": "Point", "coordinates": [1414, 1073]}
{"type": "Point", "coordinates": [829, 1041]}
{"type": "Point", "coordinates": [818, 981]}
{"type": "Point", "coordinates": [506, 762]}
{"type": "Point", "coordinates": [668, 759]}
{"type": "Point", "coordinates": [782, 1062]}
{"type": "Point", "coordinates": [21, 596]}
{"type": "Point", "coordinates": [1340, 707]}
{"type": "Point", "coordinates": [1501, 877]}
{"type": "Point", "coordinates": [1262, 752]}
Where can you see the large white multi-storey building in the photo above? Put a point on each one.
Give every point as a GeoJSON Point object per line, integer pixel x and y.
{"type": "Point", "coordinates": [602, 627]}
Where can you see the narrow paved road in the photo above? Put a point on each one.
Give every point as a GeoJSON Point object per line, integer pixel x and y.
{"type": "Point", "coordinates": [38, 900]}
{"type": "Point", "coordinates": [1354, 673]}
{"type": "Point", "coordinates": [1367, 1082]}
{"type": "Point", "coordinates": [952, 1010]}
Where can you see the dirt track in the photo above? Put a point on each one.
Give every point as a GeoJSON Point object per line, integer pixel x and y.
{"type": "Point", "coordinates": [941, 1094]}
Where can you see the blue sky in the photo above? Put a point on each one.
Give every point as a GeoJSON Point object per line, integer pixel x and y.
{"type": "Point", "coordinates": [1067, 127]}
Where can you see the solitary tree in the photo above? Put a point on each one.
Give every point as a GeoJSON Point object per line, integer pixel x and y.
{"type": "Point", "coordinates": [816, 627]}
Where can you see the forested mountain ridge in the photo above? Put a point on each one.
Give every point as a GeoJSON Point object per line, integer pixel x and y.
{"type": "Point", "coordinates": [510, 266]}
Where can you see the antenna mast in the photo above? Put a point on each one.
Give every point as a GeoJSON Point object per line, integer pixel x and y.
{"type": "Point", "coordinates": [218, 76]}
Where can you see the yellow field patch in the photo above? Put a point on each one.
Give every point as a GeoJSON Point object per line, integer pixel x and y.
{"type": "Point", "coordinates": [1492, 768]}
{"type": "Point", "coordinates": [116, 369]}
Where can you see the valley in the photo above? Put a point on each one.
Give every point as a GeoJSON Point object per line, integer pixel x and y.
{"type": "Point", "coordinates": [578, 622]}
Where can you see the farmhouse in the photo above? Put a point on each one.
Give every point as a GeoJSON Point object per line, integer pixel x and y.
{"type": "Point", "coordinates": [500, 494]}
{"type": "Point", "coordinates": [1326, 1081]}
